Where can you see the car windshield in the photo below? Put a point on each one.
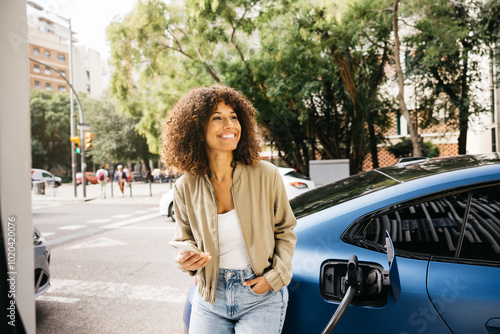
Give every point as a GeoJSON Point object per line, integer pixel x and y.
{"type": "Point", "coordinates": [361, 184]}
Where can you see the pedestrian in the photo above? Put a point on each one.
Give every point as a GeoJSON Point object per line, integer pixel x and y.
{"type": "Point", "coordinates": [127, 175]}
{"type": "Point", "coordinates": [233, 207]}
{"type": "Point", "coordinates": [102, 178]}
{"type": "Point", "coordinates": [120, 177]}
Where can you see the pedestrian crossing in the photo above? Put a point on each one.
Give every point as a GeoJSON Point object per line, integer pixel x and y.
{"type": "Point", "coordinates": [117, 221]}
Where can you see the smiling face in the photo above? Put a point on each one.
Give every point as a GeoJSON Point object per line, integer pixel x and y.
{"type": "Point", "coordinates": [223, 130]}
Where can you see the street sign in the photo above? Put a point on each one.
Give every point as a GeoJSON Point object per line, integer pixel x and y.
{"type": "Point", "coordinates": [83, 126]}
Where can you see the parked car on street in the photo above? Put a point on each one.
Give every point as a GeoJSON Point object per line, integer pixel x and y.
{"type": "Point", "coordinates": [295, 184]}
{"type": "Point", "coordinates": [42, 263]}
{"type": "Point", "coordinates": [46, 176]}
{"type": "Point", "coordinates": [137, 177]}
{"type": "Point", "coordinates": [90, 178]}
{"type": "Point", "coordinates": [426, 236]}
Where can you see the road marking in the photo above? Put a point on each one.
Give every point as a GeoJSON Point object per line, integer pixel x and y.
{"type": "Point", "coordinates": [57, 299]}
{"type": "Point", "coordinates": [98, 221]}
{"type": "Point", "coordinates": [150, 227]}
{"type": "Point", "coordinates": [71, 227]}
{"type": "Point", "coordinates": [38, 207]}
{"type": "Point", "coordinates": [72, 236]}
{"type": "Point", "coordinates": [121, 216]}
{"type": "Point", "coordinates": [96, 243]}
{"type": "Point", "coordinates": [154, 209]}
{"type": "Point", "coordinates": [139, 212]}
{"type": "Point", "coordinates": [47, 234]}
{"type": "Point", "coordinates": [160, 293]}
{"type": "Point", "coordinates": [130, 221]}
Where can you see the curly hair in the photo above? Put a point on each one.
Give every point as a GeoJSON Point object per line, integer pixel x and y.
{"type": "Point", "coordinates": [183, 132]}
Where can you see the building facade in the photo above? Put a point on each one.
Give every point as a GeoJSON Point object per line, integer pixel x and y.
{"type": "Point", "coordinates": [49, 44]}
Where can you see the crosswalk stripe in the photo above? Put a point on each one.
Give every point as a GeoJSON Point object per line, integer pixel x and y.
{"type": "Point", "coordinates": [130, 221]}
{"type": "Point", "coordinates": [71, 227]}
{"type": "Point", "coordinates": [160, 293]}
{"type": "Point", "coordinates": [57, 299]}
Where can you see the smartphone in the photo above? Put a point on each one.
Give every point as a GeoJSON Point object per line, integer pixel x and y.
{"type": "Point", "coordinates": [184, 246]}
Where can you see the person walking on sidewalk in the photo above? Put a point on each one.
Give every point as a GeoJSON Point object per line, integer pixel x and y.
{"type": "Point", "coordinates": [234, 208]}
{"type": "Point", "coordinates": [121, 178]}
{"type": "Point", "coordinates": [102, 178]}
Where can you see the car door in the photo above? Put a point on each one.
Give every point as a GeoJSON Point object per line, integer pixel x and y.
{"type": "Point", "coordinates": [465, 290]}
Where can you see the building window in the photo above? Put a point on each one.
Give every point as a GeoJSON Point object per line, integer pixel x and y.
{"type": "Point", "coordinates": [61, 89]}
{"type": "Point", "coordinates": [88, 75]}
{"type": "Point", "coordinates": [48, 86]}
{"type": "Point", "coordinates": [47, 71]}
{"type": "Point", "coordinates": [36, 51]}
{"type": "Point", "coordinates": [61, 58]}
{"type": "Point", "coordinates": [38, 85]}
{"type": "Point", "coordinates": [47, 54]}
{"type": "Point", "coordinates": [36, 68]}
{"type": "Point", "coordinates": [62, 72]}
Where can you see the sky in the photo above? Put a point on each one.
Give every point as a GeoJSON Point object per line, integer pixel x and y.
{"type": "Point", "coordinates": [89, 18]}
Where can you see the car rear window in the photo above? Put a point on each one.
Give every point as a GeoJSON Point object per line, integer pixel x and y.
{"type": "Point", "coordinates": [343, 190]}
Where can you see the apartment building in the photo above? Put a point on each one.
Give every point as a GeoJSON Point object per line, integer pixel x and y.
{"type": "Point", "coordinates": [49, 43]}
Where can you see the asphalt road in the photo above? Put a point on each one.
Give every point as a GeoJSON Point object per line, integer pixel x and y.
{"type": "Point", "coordinates": [112, 270]}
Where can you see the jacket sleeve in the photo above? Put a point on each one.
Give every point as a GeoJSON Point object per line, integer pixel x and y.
{"type": "Point", "coordinates": [183, 230]}
{"type": "Point", "coordinates": [280, 274]}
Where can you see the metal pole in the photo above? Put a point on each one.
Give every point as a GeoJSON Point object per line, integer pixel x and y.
{"type": "Point", "coordinates": [72, 117]}
{"type": "Point", "coordinates": [84, 165]}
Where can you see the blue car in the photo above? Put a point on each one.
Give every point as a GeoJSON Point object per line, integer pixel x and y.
{"type": "Point", "coordinates": [409, 248]}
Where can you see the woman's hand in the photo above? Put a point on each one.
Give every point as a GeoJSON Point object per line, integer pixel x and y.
{"type": "Point", "coordinates": [260, 285]}
{"type": "Point", "coordinates": [192, 261]}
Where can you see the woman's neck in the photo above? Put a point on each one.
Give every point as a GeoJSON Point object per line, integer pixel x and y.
{"type": "Point", "coordinates": [221, 167]}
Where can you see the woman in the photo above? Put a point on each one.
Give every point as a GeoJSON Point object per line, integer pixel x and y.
{"type": "Point", "coordinates": [234, 208]}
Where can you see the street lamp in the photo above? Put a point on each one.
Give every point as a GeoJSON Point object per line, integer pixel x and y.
{"type": "Point", "coordinates": [72, 111]}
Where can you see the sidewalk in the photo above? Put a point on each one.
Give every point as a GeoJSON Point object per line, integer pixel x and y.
{"type": "Point", "coordinates": [136, 193]}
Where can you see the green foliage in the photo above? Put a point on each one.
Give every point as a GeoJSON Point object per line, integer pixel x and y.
{"type": "Point", "coordinates": [50, 130]}
{"type": "Point", "coordinates": [115, 137]}
{"type": "Point", "coordinates": [445, 67]}
{"type": "Point", "coordinates": [405, 149]}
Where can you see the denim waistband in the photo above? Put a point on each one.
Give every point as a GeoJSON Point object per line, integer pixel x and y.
{"type": "Point", "coordinates": [236, 275]}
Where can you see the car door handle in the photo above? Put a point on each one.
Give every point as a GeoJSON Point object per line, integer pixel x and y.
{"type": "Point", "coordinates": [493, 323]}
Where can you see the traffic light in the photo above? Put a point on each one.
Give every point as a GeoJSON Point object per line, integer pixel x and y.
{"type": "Point", "coordinates": [76, 143]}
{"type": "Point", "coordinates": [89, 139]}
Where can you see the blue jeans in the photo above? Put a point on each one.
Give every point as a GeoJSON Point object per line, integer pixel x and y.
{"type": "Point", "coordinates": [238, 309]}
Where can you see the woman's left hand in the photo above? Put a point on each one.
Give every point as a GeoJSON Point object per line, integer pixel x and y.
{"type": "Point", "coordinates": [260, 285]}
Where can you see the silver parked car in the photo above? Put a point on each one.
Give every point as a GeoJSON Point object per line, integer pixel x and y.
{"type": "Point", "coordinates": [42, 262]}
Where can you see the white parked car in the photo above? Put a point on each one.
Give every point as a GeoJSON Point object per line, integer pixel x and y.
{"type": "Point", "coordinates": [295, 184]}
{"type": "Point", "coordinates": [43, 175]}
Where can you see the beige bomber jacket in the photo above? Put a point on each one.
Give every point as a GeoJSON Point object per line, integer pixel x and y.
{"type": "Point", "coordinates": [265, 216]}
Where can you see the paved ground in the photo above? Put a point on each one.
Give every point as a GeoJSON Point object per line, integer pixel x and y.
{"type": "Point", "coordinates": [135, 193]}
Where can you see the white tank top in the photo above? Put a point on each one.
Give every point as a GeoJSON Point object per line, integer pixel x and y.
{"type": "Point", "coordinates": [232, 251]}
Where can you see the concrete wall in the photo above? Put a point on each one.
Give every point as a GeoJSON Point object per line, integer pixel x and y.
{"type": "Point", "coordinates": [326, 171]}
{"type": "Point", "coordinates": [15, 163]}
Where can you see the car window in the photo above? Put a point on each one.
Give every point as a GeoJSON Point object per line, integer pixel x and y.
{"type": "Point", "coordinates": [433, 227]}
{"type": "Point", "coordinates": [46, 175]}
{"type": "Point", "coordinates": [483, 238]}
{"type": "Point", "coordinates": [297, 175]}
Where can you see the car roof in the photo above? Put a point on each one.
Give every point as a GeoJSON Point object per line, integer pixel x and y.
{"type": "Point", "coordinates": [365, 183]}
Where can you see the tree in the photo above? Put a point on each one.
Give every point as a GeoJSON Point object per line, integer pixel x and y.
{"type": "Point", "coordinates": [310, 75]}
{"type": "Point", "coordinates": [115, 136]}
{"type": "Point", "coordinates": [416, 139]}
{"type": "Point", "coordinates": [50, 130]}
{"type": "Point", "coordinates": [445, 59]}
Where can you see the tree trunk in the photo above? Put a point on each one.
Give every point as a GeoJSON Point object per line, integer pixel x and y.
{"type": "Point", "coordinates": [416, 140]}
